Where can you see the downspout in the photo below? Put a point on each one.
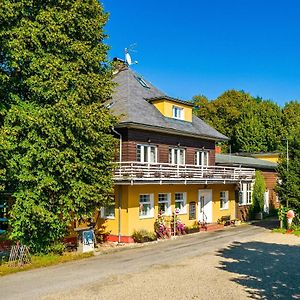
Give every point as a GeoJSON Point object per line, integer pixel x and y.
{"type": "Point", "coordinates": [120, 189]}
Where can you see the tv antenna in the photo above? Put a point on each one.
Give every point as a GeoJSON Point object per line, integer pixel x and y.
{"type": "Point", "coordinates": [129, 50]}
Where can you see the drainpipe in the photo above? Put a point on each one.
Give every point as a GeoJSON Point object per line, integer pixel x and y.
{"type": "Point", "coordinates": [120, 189]}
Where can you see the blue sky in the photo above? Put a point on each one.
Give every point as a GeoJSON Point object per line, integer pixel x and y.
{"type": "Point", "coordinates": [205, 47]}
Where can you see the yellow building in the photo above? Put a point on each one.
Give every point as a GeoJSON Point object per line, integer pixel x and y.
{"type": "Point", "coordinates": [166, 163]}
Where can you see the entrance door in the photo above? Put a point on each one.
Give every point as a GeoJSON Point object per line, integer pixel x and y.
{"type": "Point", "coordinates": [205, 206]}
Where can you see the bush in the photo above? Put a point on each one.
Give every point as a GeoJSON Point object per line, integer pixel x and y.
{"type": "Point", "coordinates": [258, 193]}
{"type": "Point", "coordinates": [142, 236]}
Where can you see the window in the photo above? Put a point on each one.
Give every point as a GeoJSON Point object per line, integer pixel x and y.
{"type": "Point", "coordinates": [146, 153]}
{"type": "Point", "coordinates": [180, 202]}
{"type": "Point", "coordinates": [146, 206]}
{"type": "Point", "coordinates": [108, 212]}
{"type": "Point", "coordinates": [245, 196]}
{"type": "Point", "coordinates": [224, 200]}
{"type": "Point", "coordinates": [178, 112]}
{"type": "Point", "coordinates": [142, 82]}
{"type": "Point", "coordinates": [201, 158]}
{"type": "Point", "coordinates": [164, 204]}
{"type": "Point", "coordinates": [177, 156]}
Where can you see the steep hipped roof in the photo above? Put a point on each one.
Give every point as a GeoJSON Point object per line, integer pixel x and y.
{"type": "Point", "coordinates": [236, 160]}
{"type": "Point", "coordinates": [131, 101]}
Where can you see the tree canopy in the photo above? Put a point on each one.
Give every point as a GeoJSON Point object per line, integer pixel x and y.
{"type": "Point", "coordinates": [55, 135]}
{"type": "Point", "coordinates": [252, 123]}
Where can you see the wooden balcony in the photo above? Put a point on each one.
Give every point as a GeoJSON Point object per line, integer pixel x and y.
{"type": "Point", "coordinates": [157, 173]}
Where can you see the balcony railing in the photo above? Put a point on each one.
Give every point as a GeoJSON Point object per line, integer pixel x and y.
{"type": "Point", "coordinates": [137, 172]}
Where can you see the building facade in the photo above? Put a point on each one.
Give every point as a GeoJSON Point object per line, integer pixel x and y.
{"type": "Point", "coordinates": [166, 162]}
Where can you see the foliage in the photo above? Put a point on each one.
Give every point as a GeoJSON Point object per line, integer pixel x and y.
{"type": "Point", "coordinates": [288, 184]}
{"type": "Point", "coordinates": [142, 236]}
{"type": "Point", "coordinates": [160, 228]}
{"type": "Point", "coordinates": [251, 123]}
{"type": "Point", "coordinates": [259, 189]}
{"type": "Point", "coordinates": [56, 142]}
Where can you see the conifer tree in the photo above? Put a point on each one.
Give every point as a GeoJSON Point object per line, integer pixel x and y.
{"type": "Point", "coordinates": [55, 136]}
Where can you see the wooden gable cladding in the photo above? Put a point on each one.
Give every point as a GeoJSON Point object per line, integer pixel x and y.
{"type": "Point", "coordinates": [132, 137]}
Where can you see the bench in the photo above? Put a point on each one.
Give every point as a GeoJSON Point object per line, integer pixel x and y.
{"type": "Point", "coordinates": [226, 220]}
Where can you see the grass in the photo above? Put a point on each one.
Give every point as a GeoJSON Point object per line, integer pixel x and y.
{"type": "Point", "coordinates": [40, 261]}
{"type": "Point", "coordinates": [283, 230]}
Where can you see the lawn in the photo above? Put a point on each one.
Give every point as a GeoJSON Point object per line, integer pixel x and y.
{"type": "Point", "coordinates": [283, 230]}
{"type": "Point", "coordinates": [39, 261]}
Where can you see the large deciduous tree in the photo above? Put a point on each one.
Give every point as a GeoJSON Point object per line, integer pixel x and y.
{"type": "Point", "coordinates": [288, 187]}
{"type": "Point", "coordinates": [55, 137]}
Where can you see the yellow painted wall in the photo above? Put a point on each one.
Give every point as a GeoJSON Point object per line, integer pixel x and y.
{"type": "Point", "coordinates": [131, 221]}
{"type": "Point", "coordinates": [271, 157]}
{"type": "Point", "coordinates": [166, 108]}
{"type": "Point", "coordinates": [217, 211]}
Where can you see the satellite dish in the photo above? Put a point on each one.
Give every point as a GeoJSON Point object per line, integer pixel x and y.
{"type": "Point", "coordinates": [127, 58]}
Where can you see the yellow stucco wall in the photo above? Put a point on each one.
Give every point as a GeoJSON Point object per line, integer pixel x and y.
{"type": "Point", "coordinates": [166, 108]}
{"type": "Point", "coordinates": [130, 219]}
{"type": "Point", "coordinates": [271, 157]}
{"type": "Point", "coordinates": [217, 211]}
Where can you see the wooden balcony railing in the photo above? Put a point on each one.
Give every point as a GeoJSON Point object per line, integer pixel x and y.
{"type": "Point", "coordinates": [137, 172]}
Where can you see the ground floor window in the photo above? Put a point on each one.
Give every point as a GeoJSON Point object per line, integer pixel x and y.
{"type": "Point", "coordinates": [108, 212]}
{"type": "Point", "coordinates": [164, 204]}
{"type": "Point", "coordinates": [245, 197]}
{"type": "Point", "coordinates": [180, 202]}
{"type": "Point", "coordinates": [224, 200]}
{"type": "Point", "coordinates": [146, 206]}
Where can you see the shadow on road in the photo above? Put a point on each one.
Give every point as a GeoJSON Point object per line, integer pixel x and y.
{"type": "Point", "coordinates": [267, 271]}
{"type": "Point", "coordinates": [269, 223]}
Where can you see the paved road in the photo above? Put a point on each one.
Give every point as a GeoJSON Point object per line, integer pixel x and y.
{"type": "Point", "coordinates": [37, 283]}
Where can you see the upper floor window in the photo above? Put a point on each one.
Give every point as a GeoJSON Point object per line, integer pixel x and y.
{"type": "Point", "coordinates": [177, 156]}
{"type": "Point", "coordinates": [146, 153]}
{"type": "Point", "coordinates": [201, 158]}
{"type": "Point", "coordinates": [178, 112]}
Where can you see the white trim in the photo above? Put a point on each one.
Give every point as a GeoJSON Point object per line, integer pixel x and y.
{"type": "Point", "coordinates": [151, 202]}
{"type": "Point", "coordinates": [174, 159]}
{"type": "Point", "coordinates": [226, 200]}
{"type": "Point", "coordinates": [148, 149]}
{"type": "Point", "coordinates": [207, 208]}
{"type": "Point", "coordinates": [178, 112]}
{"type": "Point", "coordinates": [183, 210]}
{"type": "Point", "coordinates": [168, 212]}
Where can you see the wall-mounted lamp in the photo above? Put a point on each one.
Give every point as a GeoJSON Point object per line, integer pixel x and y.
{"type": "Point", "coordinates": [149, 141]}
{"type": "Point", "coordinates": [178, 144]}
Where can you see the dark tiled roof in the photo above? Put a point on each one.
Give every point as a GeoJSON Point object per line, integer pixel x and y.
{"type": "Point", "coordinates": [129, 102]}
{"type": "Point", "coordinates": [237, 160]}
{"type": "Point", "coordinates": [172, 99]}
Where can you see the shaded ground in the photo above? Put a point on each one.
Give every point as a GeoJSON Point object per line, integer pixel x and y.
{"type": "Point", "coordinates": [269, 270]}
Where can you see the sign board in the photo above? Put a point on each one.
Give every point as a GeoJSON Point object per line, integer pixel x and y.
{"type": "Point", "coordinates": [88, 241]}
{"type": "Point", "coordinates": [192, 210]}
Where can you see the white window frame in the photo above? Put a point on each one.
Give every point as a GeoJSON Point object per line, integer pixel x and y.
{"type": "Point", "coordinates": [202, 158]}
{"type": "Point", "coordinates": [245, 195]}
{"type": "Point", "coordinates": [224, 200]}
{"type": "Point", "coordinates": [178, 112]}
{"type": "Point", "coordinates": [150, 202]}
{"type": "Point", "coordinates": [174, 156]}
{"type": "Point", "coordinates": [105, 213]}
{"type": "Point", "coordinates": [182, 209]}
{"type": "Point", "coordinates": [142, 153]}
{"type": "Point", "coordinates": [166, 202]}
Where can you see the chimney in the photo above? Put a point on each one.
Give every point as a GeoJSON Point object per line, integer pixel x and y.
{"type": "Point", "coordinates": [119, 65]}
{"type": "Point", "coordinates": [218, 149]}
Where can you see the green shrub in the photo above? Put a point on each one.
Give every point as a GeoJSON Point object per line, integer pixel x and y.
{"type": "Point", "coordinates": [142, 236]}
{"type": "Point", "coordinates": [258, 193]}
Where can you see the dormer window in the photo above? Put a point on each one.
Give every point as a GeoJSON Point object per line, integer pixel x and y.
{"type": "Point", "coordinates": [178, 112]}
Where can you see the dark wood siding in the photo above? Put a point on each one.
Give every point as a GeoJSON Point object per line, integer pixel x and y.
{"type": "Point", "coordinates": [132, 137]}
{"type": "Point", "coordinates": [270, 177]}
